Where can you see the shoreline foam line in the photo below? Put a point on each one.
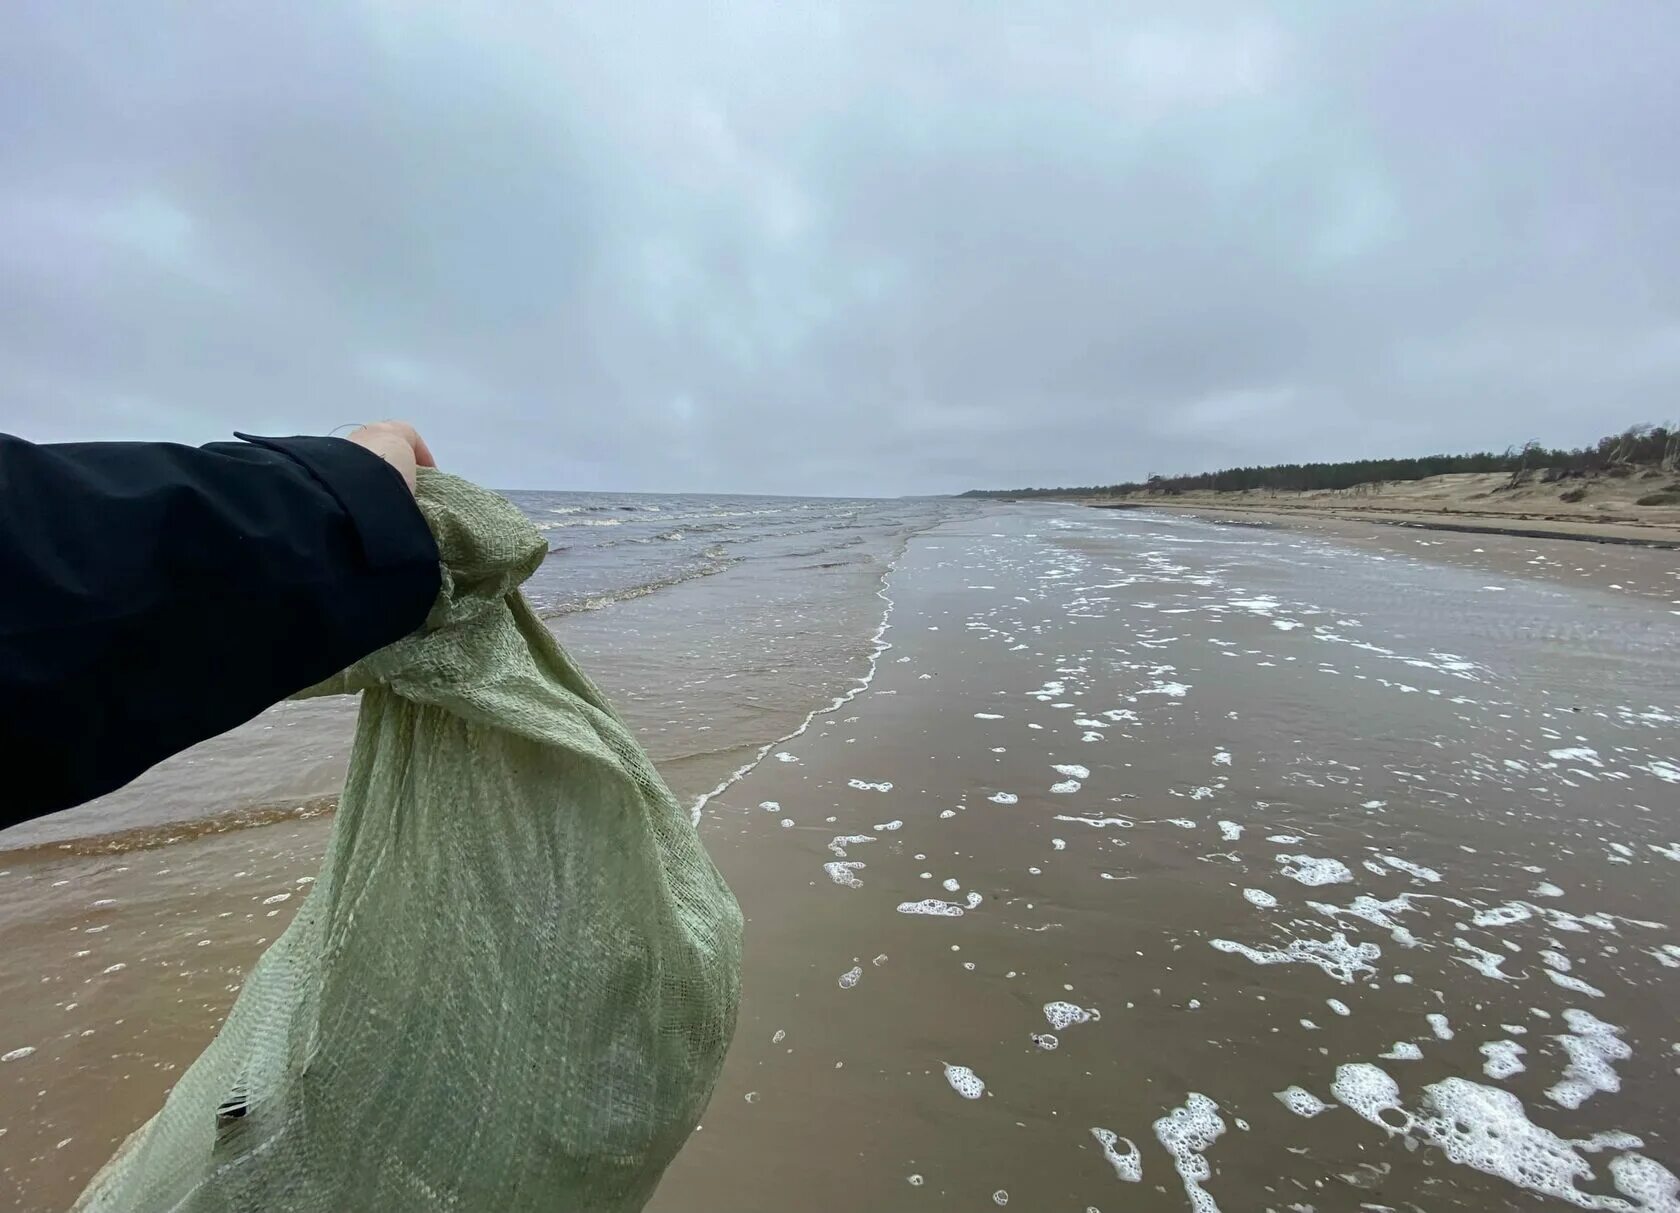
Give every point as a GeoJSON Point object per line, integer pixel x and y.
{"type": "Point", "coordinates": [878, 645]}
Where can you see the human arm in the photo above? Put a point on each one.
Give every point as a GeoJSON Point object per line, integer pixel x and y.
{"type": "Point", "coordinates": [153, 595]}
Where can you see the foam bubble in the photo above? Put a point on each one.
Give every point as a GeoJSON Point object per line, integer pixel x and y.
{"type": "Point", "coordinates": [1338, 1006]}
{"type": "Point", "coordinates": [887, 827]}
{"type": "Point", "coordinates": [1591, 1045]}
{"type": "Point", "coordinates": [1301, 1102]}
{"type": "Point", "coordinates": [1483, 961]}
{"type": "Point", "coordinates": [851, 977]}
{"type": "Point", "coordinates": [770, 806]}
{"type": "Point", "coordinates": [1368, 1091]}
{"type": "Point", "coordinates": [1072, 770]}
{"type": "Point", "coordinates": [1172, 690]}
{"type": "Point", "coordinates": [17, 1054]}
{"type": "Point", "coordinates": [1403, 1050]}
{"type": "Point", "coordinates": [931, 907]}
{"type": "Point", "coordinates": [1336, 956]}
{"type": "Point", "coordinates": [1260, 898]}
{"type": "Point", "coordinates": [987, 716]}
{"type": "Point", "coordinates": [1066, 787]}
{"type": "Point", "coordinates": [1222, 758]}
{"type": "Point", "coordinates": [1003, 798]}
{"type": "Point", "coordinates": [1187, 1133]}
{"type": "Point", "coordinates": [1230, 831]}
{"type": "Point", "coordinates": [1503, 1058]}
{"type": "Point", "coordinates": [1063, 1015]}
{"type": "Point", "coordinates": [1569, 982]}
{"type": "Point", "coordinates": [964, 1081]}
{"type": "Point", "coordinates": [1127, 1166]}
{"type": "Point", "coordinates": [844, 873]}
{"type": "Point", "coordinates": [1312, 871]}
{"type": "Point", "coordinates": [1502, 916]}
{"type": "Point", "coordinates": [865, 786]}
{"type": "Point", "coordinates": [840, 842]}
{"type": "Point", "coordinates": [1058, 844]}
{"type": "Point", "coordinates": [1439, 1025]}
{"type": "Point", "coordinates": [1045, 1040]}
{"type": "Point", "coordinates": [1488, 1129]}
{"type": "Point", "coordinates": [1000, 1197]}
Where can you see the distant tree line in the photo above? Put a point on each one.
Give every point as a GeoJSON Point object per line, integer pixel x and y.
{"type": "Point", "coordinates": [1640, 445]}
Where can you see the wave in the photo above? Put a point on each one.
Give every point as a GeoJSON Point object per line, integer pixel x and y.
{"type": "Point", "coordinates": [560, 610]}
{"type": "Point", "coordinates": [150, 837]}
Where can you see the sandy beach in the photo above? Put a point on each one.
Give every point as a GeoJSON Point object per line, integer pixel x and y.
{"type": "Point", "coordinates": [1148, 863]}
{"type": "Point", "coordinates": [1640, 507]}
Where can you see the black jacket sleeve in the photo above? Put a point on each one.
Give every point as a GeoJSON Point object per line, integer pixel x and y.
{"type": "Point", "coordinates": [154, 595]}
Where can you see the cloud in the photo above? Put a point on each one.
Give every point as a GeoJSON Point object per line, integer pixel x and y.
{"type": "Point", "coordinates": [849, 249]}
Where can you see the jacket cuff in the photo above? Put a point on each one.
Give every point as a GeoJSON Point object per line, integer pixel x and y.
{"type": "Point", "coordinates": [388, 521]}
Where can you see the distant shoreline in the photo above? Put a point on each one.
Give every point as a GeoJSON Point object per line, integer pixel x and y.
{"type": "Point", "coordinates": [1633, 534]}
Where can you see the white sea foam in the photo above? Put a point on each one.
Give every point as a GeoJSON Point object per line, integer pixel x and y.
{"type": "Point", "coordinates": [844, 873]}
{"type": "Point", "coordinates": [1230, 831]}
{"type": "Point", "coordinates": [1488, 1129]}
{"type": "Point", "coordinates": [865, 786]}
{"type": "Point", "coordinates": [851, 977]}
{"type": "Point", "coordinates": [1063, 1015]}
{"type": "Point", "coordinates": [1438, 1024]}
{"type": "Point", "coordinates": [1072, 770]}
{"type": "Point", "coordinates": [1260, 898]}
{"type": "Point", "coordinates": [1172, 690]}
{"type": "Point", "coordinates": [1187, 1133]}
{"type": "Point", "coordinates": [1503, 1058]}
{"type": "Point", "coordinates": [932, 907]}
{"type": "Point", "coordinates": [17, 1054]}
{"type": "Point", "coordinates": [1066, 787]}
{"type": "Point", "coordinates": [1336, 956]}
{"type": "Point", "coordinates": [1127, 1166]}
{"type": "Point", "coordinates": [1430, 875]}
{"type": "Point", "coordinates": [1003, 798]}
{"type": "Point", "coordinates": [1313, 871]}
{"type": "Point", "coordinates": [1301, 1102]}
{"type": "Point", "coordinates": [1403, 1050]}
{"type": "Point", "coordinates": [1592, 1045]}
{"type": "Point", "coordinates": [964, 1081]}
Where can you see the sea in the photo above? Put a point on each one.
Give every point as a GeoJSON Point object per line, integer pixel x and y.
{"type": "Point", "coordinates": [714, 622]}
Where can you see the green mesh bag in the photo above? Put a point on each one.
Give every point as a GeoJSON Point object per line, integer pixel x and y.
{"type": "Point", "coordinates": [514, 981]}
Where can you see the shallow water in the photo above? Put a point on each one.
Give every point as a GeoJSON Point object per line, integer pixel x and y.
{"type": "Point", "coordinates": [709, 619]}
{"type": "Point", "coordinates": [1346, 831]}
{"type": "Point", "coordinates": [1249, 863]}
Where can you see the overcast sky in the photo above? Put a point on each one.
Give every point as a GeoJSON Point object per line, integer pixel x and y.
{"type": "Point", "coordinates": [842, 248]}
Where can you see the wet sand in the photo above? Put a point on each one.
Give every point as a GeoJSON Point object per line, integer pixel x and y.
{"type": "Point", "coordinates": [1255, 807]}
{"type": "Point", "coordinates": [1226, 811]}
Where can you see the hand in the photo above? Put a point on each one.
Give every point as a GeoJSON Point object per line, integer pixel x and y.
{"type": "Point", "coordinates": [398, 444]}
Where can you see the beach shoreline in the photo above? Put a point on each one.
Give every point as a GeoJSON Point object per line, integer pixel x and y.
{"type": "Point", "coordinates": [1619, 530]}
{"type": "Point", "coordinates": [1082, 740]}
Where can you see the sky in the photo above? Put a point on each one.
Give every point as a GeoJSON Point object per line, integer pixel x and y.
{"type": "Point", "coordinates": [844, 248]}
